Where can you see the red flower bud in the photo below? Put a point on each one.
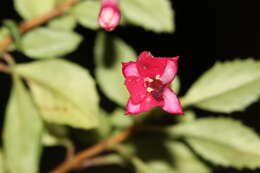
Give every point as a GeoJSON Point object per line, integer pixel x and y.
{"type": "Point", "coordinates": [109, 15]}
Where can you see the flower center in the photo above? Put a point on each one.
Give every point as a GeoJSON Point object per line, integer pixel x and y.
{"type": "Point", "coordinates": [155, 87]}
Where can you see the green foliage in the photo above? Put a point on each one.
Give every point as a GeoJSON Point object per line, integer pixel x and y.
{"type": "Point", "coordinates": [176, 84]}
{"type": "Point", "coordinates": [29, 9]}
{"type": "Point", "coordinates": [161, 166]}
{"type": "Point", "coordinates": [158, 152]}
{"type": "Point", "coordinates": [119, 120]}
{"type": "Point", "coordinates": [55, 135]}
{"type": "Point", "coordinates": [3, 33]}
{"type": "Point", "coordinates": [222, 141]}
{"type": "Point", "coordinates": [155, 15]}
{"type": "Point", "coordinates": [22, 132]}
{"type": "Point", "coordinates": [227, 87]}
{"type": "Point", "coordinates": [109, 53]}
{"type": "Point", "coordinates": [86, 13]}
{"type": "Point", "coordinates": [64, 92]}
{"type": "Point", "coordinates": [49, 43]}
{"type": "Point", "coordinates": [66, 22]}
{"type": "Point", "coordinates": [2, 170]}
{"type": "Point", "coordinates": [184, 160]}
{"type": "Point", "coordinates": [140, 166]}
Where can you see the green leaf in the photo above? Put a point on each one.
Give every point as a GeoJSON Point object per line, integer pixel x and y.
{"type": "Point", "coordinates": [222, 141]}
{"type": "Point", "coordinates": [155, 15]}
{"type": "Point", "coordinates": [54, 135]}
{"type": "Point", "coordinates": [140, 166]}
{"type": "Point", "coordinates": [64, 92]}
{"type": "Point", "coordinates": [58, 2]}
{"type": "Point", "coordinates": [176, 84]}
{"type": "Point", "coordinates": [182, 156]}
{"type": "Point", "coordinates": [154, 166]}
{"type": "Point", "coordinates": [119, 120]}
{"type": "Point", "coordinates": [86, 13]}
{"type": "Point", "coordinates": [161, 166]}
{"type": "Point", "coordinates": [66, 22]}
{"type": "Point", "coordinates": [22, 132]}
{"type": "Point", "coordinates": [188, 116]}
{"type": "Point", "coordinates": [49, 43]}
{"type": "Point", "coordinates": [109, 53]}
{"type": "Point", "coordinates": [3, 33]}
{"type": "Point", "coordinates": [2, 170]}
{"type": "Point", "coordinates": [29, 9]}
{"type": "Point", "coordinates": [227, 87]}
{"type": "Point", "coordinates": [104, 130]}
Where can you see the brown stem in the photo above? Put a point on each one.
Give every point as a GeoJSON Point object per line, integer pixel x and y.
{"type": "Point", "coordinates": [27, 25]}
{"type": "Point", "coordinates": [92, 151]}
{"type": "Point", "coordinates": [4, 68]}
{"type": "Point", "coordinates": [8, 59]}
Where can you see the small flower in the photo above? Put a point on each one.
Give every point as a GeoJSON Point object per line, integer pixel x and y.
{"type": "Point", "coordinates": [148, 80]}
{"type": "Point", "coordinates": [109, 15]}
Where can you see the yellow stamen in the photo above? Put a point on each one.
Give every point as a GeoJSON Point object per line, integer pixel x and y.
{"type": "Point", "coordinates": [148, 79]}
{"type": "Point", "coordinates": [149, 89]}
{"type": "Point", "coordinates": [157, 77]}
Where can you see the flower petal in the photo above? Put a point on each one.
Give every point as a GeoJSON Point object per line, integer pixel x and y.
{"type": "Point", "coordinates": [132, 108]}
{"type": "Point", "coordinates": [109, 15]}
{"type": "Point", "coordinates": [135, 86]}
{"type": "Point", "coordinates": [171, 102]}
{"type": "Point", "coordinates": [148, 103]}
{"type": "Point", "coordinates": [170, 70]}
{"type": "Point", "coordinates": [149, 66]}
{"type": "Point", "coordinates": [130, 69]}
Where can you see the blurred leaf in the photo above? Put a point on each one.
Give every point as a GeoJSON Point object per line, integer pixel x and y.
{"type": "Point", "coordinates": [222, 141]}
{"type": "Point", "coordinates": [188, 116]}
{"type": "Point", "coordinates": [105, 127]}
{"type": "Point", "coordinates": [161, 166]}
{"type": "Point", "coordinates": [66, 22]}
{"type": "Point", "coordinates": [184, 160]}
{"type": "Point", "coordinates": [119, 120]}
{"type": "Point", "coordinates": [3, 33]}
{"type": "Point", "coordinates": [155, 166]}
{"type": "Point", "coordinates": [14, 33]}
{"type": "Point", "coordinates": [155, 15]}
{"type": "Point", "coordinates": [109, 159]}
{"type": "Point", "coordinates": [57, 2]}
{"type": "Point", "coordinates": [86, 13]}
{"type": "Point", "coordinates": [55, 135]}
{"type": "Point", "coordinates": [140, 166]}
{"type": "Point", "coordinates": [22, 132]}
{"type": "Point", "coordinates": [227, 87]}
{"type": "Point", "coordinates": [2, 170]}
{"type": "Point", "coordinates": [109, 53]}
{"type": "Point", "coordinates": [49, 43]}
{"type": "Point", "coordinates": [64, 92]}
{"type": "Point", "coordinates": [29, 9]}
{"type": "Point", "coordinates": [113, 159]}
{"type": "Point", "coordinates": [175, 85]}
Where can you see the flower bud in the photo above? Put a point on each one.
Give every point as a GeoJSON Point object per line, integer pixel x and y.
{"type": "Point", "coordinates": [109, 15]}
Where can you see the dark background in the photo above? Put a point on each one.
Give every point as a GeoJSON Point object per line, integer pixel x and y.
{"type": "Point", "coordinates": [206, 31]}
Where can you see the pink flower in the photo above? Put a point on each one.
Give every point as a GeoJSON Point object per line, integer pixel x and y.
{"type": "Point", "coordinates": [109, 15]}
{"type": "Point", "coordinates": [148, 80]}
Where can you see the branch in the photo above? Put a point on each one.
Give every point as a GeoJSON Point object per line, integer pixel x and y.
{"type": "Point", "coordinates": [28, 25]}
{"type": "Point", "coordinates": [92, 151]}
{"type": "Point", "coordinates": [4, 68]}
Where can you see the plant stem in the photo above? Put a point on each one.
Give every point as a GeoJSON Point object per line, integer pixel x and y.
{"type": "Point", "coordinates": [4, 68]}
{"type": "Point", "coordinates": [28, 25]}
{"type": "Point", "coordinates": [94, 150]}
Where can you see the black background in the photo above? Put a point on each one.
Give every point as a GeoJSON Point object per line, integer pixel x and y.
{"type": "Point", "coordinates": [206, 31]}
